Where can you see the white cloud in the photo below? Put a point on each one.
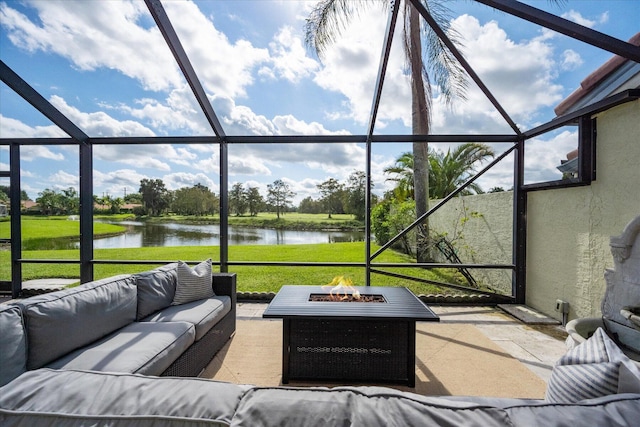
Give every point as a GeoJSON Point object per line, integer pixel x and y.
{"type": "Point", "coordinates": [350, 67]}
{"type": "Point", "coordinates": [288, 57]}
{"type": "Point", "coordinates": [93, 35]}
{"type": "Point", "coordinates": [224, 68]}
{"type": "Point", "coordinates": [64, 180]}
{"type": "Point", "coordinates": [289, 125]}
{"type": "Point", "coordinates": [117, 182]}
{"type": "Point", "coordinates": [178, 180]}
{"type": "Point", "coordinates": [32, 152]}
{"type": "Point", "coordinates": [247, 165]}
{"type": "Point", "coordinates": [577, 17]}
{"type": "Point", "coordinates": [604, 18]}
{"type": "Point", "coordinates": [543, 156]}
{"type": "Point", "coordinates": [99, 123]}
{"type": "Point", "coordinates": [571, 60]}
{"type": "Point", "coordinates": [519, 74]}
{"type": "Point", "coordinates": [12, 128]}
{"type": "Point", "coordinates": [143, 156]}
{"type": "Point", "coordinates": [178, 113]}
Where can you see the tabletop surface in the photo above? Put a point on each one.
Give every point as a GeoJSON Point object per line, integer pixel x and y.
{"type": "Point", "coordinates": [400, 303]}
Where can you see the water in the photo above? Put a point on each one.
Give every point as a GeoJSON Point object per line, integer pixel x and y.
{"type": "Point", "coordinates": [142, 234]}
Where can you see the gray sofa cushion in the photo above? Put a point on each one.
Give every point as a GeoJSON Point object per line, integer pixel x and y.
{"type": "Point", "coordinates": [13, 344]}
{"type": "Point", "coordinates": [204, 314]}
{"type": "Point", "coordinates": [346, 406]}
{"type": "Point", "coordinates": [156, 289]}
{"type": "Point", "coordinates": [60, 322]}
{"type": "Point", "coordinates": [617, 410]}
{"type": "Point", "coordinates": [100, 398]}
{"type": "Point", "coordinates": [141, 347]}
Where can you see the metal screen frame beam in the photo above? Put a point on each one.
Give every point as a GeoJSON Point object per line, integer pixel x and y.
{"type": "Point", "coordinates": [171, 37]}
{"type": "Point", "coordinates": [16, 231]}
{"type": "Point", "coordinates": [375, 105]}
{"type": "Point", "coordinates": [33, 97]}
{"type": "Point", "coordinates": [566, 27]}
{"type": "Point", "coordinates": [463, 62]}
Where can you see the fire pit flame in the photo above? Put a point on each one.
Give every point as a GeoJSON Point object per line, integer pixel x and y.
{"type": "Point", "coordinates": [342, 289]}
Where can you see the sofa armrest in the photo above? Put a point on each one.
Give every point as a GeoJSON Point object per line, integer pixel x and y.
{"type": "Point", "coordinates": [225, 284]}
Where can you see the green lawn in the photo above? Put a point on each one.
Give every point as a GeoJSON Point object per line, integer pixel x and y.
{"type": "Point", "coordinates": [54, 227]}
{"type": "Point", "coordinates": [257, 278]}
{"type": "Point", "coordinates": [250, 278]}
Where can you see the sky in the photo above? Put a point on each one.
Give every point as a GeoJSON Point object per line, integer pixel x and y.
{"type": "Point", "coordinates": [105, 65]}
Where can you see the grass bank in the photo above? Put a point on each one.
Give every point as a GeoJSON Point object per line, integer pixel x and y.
{"type": "Point", "coordinates": [55, 227]}
{"type": "Point", "coordinates": [287, 221]}
{"type": "Point", "coordinates": [260, 278]}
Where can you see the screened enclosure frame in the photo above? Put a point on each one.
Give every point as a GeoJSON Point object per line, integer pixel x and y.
{"type": "Point", "coordinates": [515, 145]}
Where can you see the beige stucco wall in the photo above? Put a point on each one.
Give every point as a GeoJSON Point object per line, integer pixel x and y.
{"type": "Point", "coordinates": [480, 227]}
{"type": "Point", "coordinates": [568, 229]}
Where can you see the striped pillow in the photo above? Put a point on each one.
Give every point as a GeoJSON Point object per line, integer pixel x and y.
{"type": "Point", "coordinates": [589, 370]}
{"type": "Point", "coordinates": [193, 283]}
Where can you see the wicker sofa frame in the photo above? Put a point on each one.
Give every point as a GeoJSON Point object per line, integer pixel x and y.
{"type": "Point", "coordinates": [196, 358]}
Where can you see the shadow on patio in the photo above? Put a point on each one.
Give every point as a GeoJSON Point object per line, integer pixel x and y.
{"type": "Point", "coordinates": [475, 351]}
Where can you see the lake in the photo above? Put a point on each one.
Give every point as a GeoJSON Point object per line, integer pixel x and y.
{"type": "Point", "coordinates": [142, 234]}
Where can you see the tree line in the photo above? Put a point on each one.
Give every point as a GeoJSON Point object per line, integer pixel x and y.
{"type": "Point", "coordinates": [154, 199]}
{"type": "Point", "coordinates": [447, 172]}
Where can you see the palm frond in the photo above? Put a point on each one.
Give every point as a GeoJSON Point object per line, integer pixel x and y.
{"type": "Point", "coordinates": [328, 19]}
{"type": "Point", "coordinates": [448, 74]}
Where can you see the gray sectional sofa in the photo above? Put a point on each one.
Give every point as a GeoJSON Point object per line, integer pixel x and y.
{"type": "Point", "coordinates": [115, 352]}
{"type": "Point", "coordinates": [46, 397]}
{"type": "Point", "coordinates": [124, 323]}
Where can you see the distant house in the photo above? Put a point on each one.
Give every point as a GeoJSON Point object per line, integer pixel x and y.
{"type": "Point", "coordinates": [129, 207]}
{"type": "Point", "coordinates": [3, 210]}
{"type": "Point", "coordinates": [126, 208]}
{"type": "Point", "coordinates": [614, 76]}
{"type": "Point", "coordinates": [30, 206]}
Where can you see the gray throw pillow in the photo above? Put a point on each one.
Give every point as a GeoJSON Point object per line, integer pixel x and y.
{"type": "Point", "coordinates": [590, 370]}
{"type": "Point", "coordinates": [193, 283]}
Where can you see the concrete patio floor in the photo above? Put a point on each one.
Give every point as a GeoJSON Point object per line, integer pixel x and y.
{"type": "Point", "coordinates": [538, 346]}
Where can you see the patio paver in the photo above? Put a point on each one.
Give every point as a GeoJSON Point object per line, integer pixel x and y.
{"type": "Point", "coordinates": [538, 347]}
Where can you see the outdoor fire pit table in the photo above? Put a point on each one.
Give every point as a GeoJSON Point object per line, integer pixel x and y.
{"type": "Point", "coordinates": [369, 341]}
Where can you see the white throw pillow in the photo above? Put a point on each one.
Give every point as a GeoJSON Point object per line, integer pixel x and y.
{"type": "Point", "coordinates": [590, 370]}
{"type": "Point", "coordinates": [193, 283]}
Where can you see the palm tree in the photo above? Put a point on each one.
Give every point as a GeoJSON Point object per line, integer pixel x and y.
{"type": "Point", "coordinates": [402, 174]}
{"type": "Point", "coordinates": [330, 17]}
{"type": "Point", "coordinates": [447, 171]}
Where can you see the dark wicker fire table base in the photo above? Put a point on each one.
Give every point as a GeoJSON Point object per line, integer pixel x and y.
{"type": "Point", "coordinates": [349, 341]}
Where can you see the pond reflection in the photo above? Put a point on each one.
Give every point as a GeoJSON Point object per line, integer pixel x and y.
{"type": "Point", "coordinates": [142, 234]}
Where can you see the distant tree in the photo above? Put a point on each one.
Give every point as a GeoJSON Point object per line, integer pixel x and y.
{"type": "Point", "coordinates": [133, 199]}
{"type": "Point", "coordinates": [51, 202]}
{"type": "Point", "coordinates": [197, 200]}
{"type": "Point", "coordinates": [155, 196]}
{"type": "Point", "coordinates": [255, 201]}
{"type": "Point", "coordinates": [310, 206]}
{"type": "Point", "coordinates": [5, 189]}
{"type": "Point", "coordinates": [279, 196]}
{"type": "Point", "coordinates": [496, 190]}
{"type": "Point", "coordinates": [331, 190]}
{"type": "Point", "coordinates": [115, 204]}
{"type": "Point", "coordinates": [356, 194]}
{"type": "Point", "coordinates": [237, 199]}
{"type": "Point", "coordinates": [70, 200]}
